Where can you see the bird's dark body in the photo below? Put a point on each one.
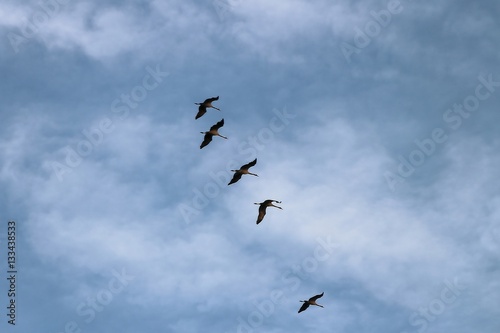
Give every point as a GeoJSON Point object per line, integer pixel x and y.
{"type": "Point", "coordinates": [311, 301]}
{"type": "Point", "coordinates": [263, 206]}
{"type": "Point", "coordinates": [202, 109]}
{"type": "Point", "coordinates": [243, 170]}
{"type": "Point", "coordinates": [214, 130]}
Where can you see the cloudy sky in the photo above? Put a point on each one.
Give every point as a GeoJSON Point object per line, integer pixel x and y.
{"type": "Point", "coordinates": [374, 122]}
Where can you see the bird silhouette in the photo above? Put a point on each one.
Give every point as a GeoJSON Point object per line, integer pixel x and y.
{"type": "Point", "coordinates": [310, 301]}
{"type": "Point", "coordinates": [214, 131]}
{"type": "Point", "coordinates": [202, 109]}
{"type": "Point", "coordinates": [242, 171]}
{"type": "Point", "coordinates": [263, 206]}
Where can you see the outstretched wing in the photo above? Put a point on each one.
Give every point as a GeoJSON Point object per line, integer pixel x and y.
{"type": "Point", "coordinates": [316, 297]}
{"type": "Point", "coordinates": [303, 307]}
{"type": "Point", "coordinates": [262, 213]}
{"type": "Point", "coordinates": [218, 125]}
{"type": "Point", "coordinates": [206, 140]}
{"type": "Point", "coordinates": [210, 100]}
{"type": "Point", "coordinates": [236, 177]}
{"type": "Point", "coordinates": [249, 165]}
{"type": "Point", "coordinates": [201, 111]}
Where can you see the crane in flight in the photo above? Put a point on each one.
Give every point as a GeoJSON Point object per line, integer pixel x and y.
{"type": "Point", "coordinates": [310, 301]}
{"type": "Point", "coordinates": [202, 109]}
{"type": "Point", "coordinates": [214, 131]}
{"type": "Point", "coordinates": [263, 206]}
{"type": "Point", "coordinates": [242, 171]}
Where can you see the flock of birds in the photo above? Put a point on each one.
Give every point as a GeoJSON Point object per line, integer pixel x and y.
{"type": "Point", "coordinates": [243, 170]}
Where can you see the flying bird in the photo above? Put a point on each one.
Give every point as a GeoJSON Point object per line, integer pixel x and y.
{"type": "Point", "coordinates": [263, 206]}
{"type": "Point", "coordinates": [311, 301]}
{"type": "Point", "coordinates": [202, 109]}
{"type": "Point", "coordinates": [242, 171]}
{"type": "Point", "coordinates": [214, 131]}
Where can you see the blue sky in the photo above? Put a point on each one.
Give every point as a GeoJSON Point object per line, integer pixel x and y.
{"type": "Point", "coordinates": [374, 122]}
